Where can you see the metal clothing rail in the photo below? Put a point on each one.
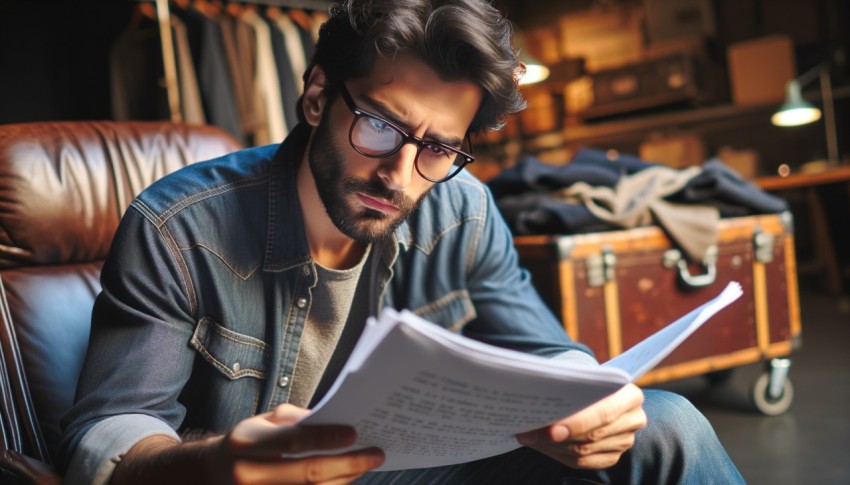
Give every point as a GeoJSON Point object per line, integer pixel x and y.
{"type": "Point", "coordinates": [163, 15]}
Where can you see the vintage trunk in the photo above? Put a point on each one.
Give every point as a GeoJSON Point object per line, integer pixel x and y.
{"type": "Point", "coordinates": [612, 289]}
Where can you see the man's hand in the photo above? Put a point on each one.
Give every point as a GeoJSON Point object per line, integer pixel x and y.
{"type": "Point", "coordinates": [255, 446]}
{"type": "Point", "coordinates": [252, 453]}
{"type": "Point", "coordinates": [595, 437]}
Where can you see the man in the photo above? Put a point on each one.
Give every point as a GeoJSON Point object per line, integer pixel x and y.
{"type": "Point", "coordinates": [236, 288]}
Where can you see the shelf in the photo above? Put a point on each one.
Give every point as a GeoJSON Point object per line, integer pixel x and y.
{"type": "Point", "coordinates": [832, 175]}
{"type": "Point", "coordinates": [639, 126]}
{"type": "Point", "coordinates": [704, 119]}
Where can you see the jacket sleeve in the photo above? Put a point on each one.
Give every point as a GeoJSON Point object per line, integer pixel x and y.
{"type": "Point", "coordinates": [138, 358]}
{"type": "Point", "coordinates": [510, 313]}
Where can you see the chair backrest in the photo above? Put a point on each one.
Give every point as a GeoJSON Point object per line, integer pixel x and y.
{"type": "Point", "coordinates": [63, 189]}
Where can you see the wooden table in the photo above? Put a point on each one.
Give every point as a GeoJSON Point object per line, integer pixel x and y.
{"type": "Point", "coordinates": [838, 174]}
{"type": "Point", "coordinates": [825, 253]}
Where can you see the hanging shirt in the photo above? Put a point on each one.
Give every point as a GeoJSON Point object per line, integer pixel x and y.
{"type": "Point", "coordinates": [191, 106]}
{"type": "Point", "coordinates": [287, 85]}
{"type": "Point", "coordinates": [268, 107]}
{"type": "Point", "coordinates": [211, 68]}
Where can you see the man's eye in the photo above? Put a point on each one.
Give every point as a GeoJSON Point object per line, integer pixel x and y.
{"type": "Point", "coordinates": [437, 151]}
{"type": "Point", "coordinates": [378, 125]}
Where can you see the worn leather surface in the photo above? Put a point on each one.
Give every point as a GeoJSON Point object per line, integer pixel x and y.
{"type": "Point", "coordinates": [17, 468]}
{"type": "Point", "coordinates": [64, 186]}
{"type": "Point", "coordinates": [63, 189]}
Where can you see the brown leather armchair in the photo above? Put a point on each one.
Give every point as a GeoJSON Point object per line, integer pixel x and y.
{"type": "Point", "coordinates": [63, 189]}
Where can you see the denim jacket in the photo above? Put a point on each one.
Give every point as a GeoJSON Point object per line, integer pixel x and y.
{"type": "Point", "coordinates": [208, 285]}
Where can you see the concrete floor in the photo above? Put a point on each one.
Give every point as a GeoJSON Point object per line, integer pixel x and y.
{"type": "Point", "coordinates": [808, 444]}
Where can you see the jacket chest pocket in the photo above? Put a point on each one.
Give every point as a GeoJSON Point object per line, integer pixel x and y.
{"type": "Point", "coordinates": [233, 354]}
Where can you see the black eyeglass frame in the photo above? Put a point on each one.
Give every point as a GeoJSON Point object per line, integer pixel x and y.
{"type": "Point", "coordinates": [466, 158]}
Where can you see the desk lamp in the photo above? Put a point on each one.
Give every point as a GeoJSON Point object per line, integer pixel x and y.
{"type": "Point", "coordinates": [797, 111]}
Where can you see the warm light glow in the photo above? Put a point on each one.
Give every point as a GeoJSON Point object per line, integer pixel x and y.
{"type": "Point", "coordinates": [796, 110]}
{"type": "Point", "coordinates": [795, 116]}
{"type": "Point", "coordinates": [534, 73]}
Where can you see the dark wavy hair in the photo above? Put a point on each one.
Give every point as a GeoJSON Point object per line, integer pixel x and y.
{"type": "Point", "coordinates": [465, 40]}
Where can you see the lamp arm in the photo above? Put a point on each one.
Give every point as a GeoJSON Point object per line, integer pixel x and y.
{"type": "Point", "coordinates": [811, 74]}
{"type": "Point", "coordinates": [833, 154]}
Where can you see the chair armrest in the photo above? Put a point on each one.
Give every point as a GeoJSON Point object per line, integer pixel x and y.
{"type": "Point", "coordinates": [27, 470]}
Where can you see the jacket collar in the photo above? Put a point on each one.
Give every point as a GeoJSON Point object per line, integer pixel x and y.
{"type": "Point", "coordinates": [286, 241]}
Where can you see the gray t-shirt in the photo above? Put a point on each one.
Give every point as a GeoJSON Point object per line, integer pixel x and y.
{"type": "Point", "coordinates": [340, 299]}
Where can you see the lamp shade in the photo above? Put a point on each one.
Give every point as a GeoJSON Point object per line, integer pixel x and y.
{"type": "Point", "coordinates": [796, 110]}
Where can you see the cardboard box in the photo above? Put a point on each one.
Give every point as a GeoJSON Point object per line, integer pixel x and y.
{"type": "Point", "coordinates": [604, 37]}
{"type": "Point", "coordinates": [676, 151]}
{"type": "Point", "coordinates": [759, 69]}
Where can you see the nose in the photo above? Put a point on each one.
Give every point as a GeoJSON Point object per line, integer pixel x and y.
{"type": "Point", "coordinates": [396, 171]}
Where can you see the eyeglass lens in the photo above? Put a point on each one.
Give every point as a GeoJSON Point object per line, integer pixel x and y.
{"type": "Point", "coordinates": [374, 137]}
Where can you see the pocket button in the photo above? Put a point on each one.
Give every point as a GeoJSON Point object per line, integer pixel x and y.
{"type": "Point", "coordinates": [283, 381]}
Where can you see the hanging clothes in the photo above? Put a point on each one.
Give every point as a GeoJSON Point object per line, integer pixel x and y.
{"type": "Point", "coordinates": [191, 106]}
{"type": "Point", "coordinates": [238, 70]}
{"type": "Point", "coordinates": [135, 72]}
{"type": "Point", "coordinates": [305, 24]}
{"type": "Point", "coordinates": [268, 108]}
{"type": "Point", "coordinates": [294, 50]}
{"type": "Point", "coordinates": [217, 94]}
{"type": "Point", "coordinates": [286, 79]}
{"type": "Point", "coordinates": [240, 48]}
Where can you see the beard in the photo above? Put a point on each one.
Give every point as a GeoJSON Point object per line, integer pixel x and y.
{"type": "Point", "coordinates": [338, 193]}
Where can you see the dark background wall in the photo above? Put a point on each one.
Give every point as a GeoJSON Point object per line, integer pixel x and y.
{"type": "Point", "coordinates": [54, 58]}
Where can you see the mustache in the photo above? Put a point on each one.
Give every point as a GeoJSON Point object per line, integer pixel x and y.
{"type": "Point", "coordinates": [375, 188]}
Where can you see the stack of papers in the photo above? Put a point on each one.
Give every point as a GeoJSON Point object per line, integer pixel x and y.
{"type": "Point", "coordinates": [430, 397]}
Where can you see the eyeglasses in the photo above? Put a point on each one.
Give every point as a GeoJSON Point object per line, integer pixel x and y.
{"type": "Point", "coordinates": [375, 137]}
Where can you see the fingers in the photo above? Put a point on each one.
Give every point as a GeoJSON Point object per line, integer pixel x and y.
{"type": "Point", "coordinates": [287, 413]}
{"type": "Point", "coordinates": [266, 440]}
{"type": "Point", "coordinates": [618, 443]}
{"type": "Point", "coordinates": [330, 470]}
{"type": "Point", "coordinates": [629, 422]}
{"type": "Point", "coordinates": [601, 453]}
{"type": "Point", "coordinates": [262, 449]}
{"type": "Point", "coordinates": [595, 437]}
{"type": "Point", "coordinates": [597, 461]}
{"type": "Point", "coordinates": [606, 416]}
{"type": "Point", "coordinates": [614, 414]}
{"type": "Point", "coordinates": [264, 437]}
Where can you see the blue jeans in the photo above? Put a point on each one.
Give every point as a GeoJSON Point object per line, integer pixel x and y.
{"type": "Point", "coordinates": [678, 445]}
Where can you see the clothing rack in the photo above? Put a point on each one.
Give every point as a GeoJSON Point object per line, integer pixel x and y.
{"type": "Point", "coordinates": [163, 15]}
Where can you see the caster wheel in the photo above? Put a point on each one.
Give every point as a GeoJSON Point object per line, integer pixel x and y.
{"type": "Point", "coordinates": [766, 404]}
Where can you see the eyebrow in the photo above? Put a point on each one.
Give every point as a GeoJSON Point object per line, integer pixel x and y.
{"type": "Point", "coordinates": [384, 112]}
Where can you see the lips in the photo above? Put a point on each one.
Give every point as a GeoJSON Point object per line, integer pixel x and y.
{"type": "Point", "coordinates": [378, 204]}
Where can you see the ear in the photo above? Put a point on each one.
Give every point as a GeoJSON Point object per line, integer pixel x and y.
{"type": "Point", "coordinates": [314, 98]}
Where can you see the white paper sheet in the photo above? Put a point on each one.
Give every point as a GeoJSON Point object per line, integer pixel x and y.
{"type": "Point", "coordinates": [429, 397]}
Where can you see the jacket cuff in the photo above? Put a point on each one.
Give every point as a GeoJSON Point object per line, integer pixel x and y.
{"type": "Point", "coordinates": [105, 444]}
